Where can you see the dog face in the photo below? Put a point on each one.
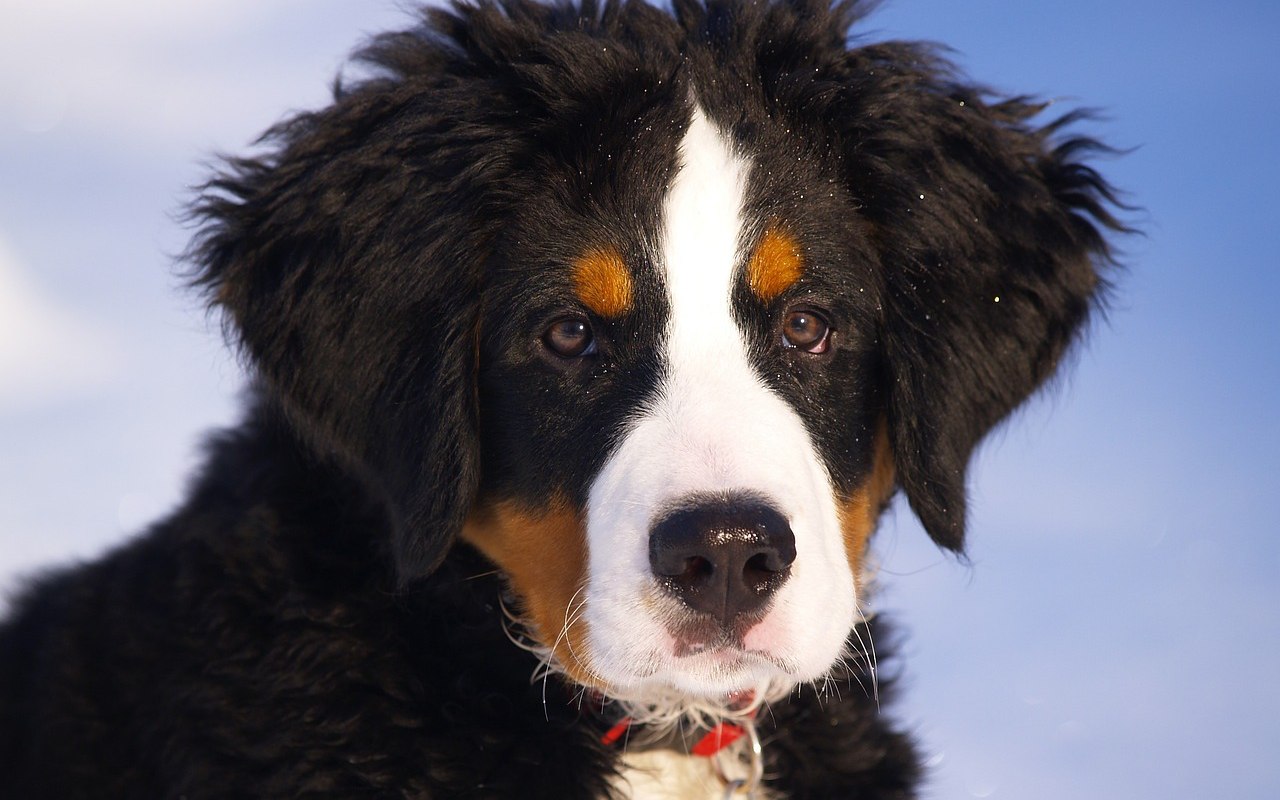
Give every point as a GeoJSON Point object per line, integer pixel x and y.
{"type": "Point", "coordinates": [682, 417]}
{"type": "Point", "coordinates": [657, 313]}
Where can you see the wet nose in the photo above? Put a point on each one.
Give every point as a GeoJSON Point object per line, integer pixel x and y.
{"type": "Point", "coordinates": [723, 556]}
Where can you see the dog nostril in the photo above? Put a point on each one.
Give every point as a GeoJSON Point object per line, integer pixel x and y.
{"type": "Point", "coordinates": [768, 562]}
{"type": "Point", "coordinates": [761, 571]}
{"type": "Point", "coordinates": [696, 568]}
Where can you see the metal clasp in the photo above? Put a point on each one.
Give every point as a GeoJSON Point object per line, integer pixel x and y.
{"type": "Point", "coordinates": [738, 788]}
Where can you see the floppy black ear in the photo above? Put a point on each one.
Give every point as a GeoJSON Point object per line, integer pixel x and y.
{"type": "Point", "coordinates": [988, 229]}
{"type": "Point", "coordinates": [348, 264]}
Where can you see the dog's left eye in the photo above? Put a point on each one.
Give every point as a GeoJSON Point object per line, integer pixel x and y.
{"type": "Point", "coordinates": [806, 330]}
{"type": "Point", "coordinates": [570, 337]}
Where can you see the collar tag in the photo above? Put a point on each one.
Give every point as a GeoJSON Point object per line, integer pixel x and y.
{"type": "Point", "coordinates": [752, 760]}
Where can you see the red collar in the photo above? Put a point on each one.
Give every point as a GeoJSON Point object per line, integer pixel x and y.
{"type": "Point", "coordinates": [718, 738]}
{"type": "Point", "coordinates": [721, 735]}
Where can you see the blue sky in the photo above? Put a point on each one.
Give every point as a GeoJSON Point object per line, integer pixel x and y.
{"type": "Point", "coordinates": [1118, 631]}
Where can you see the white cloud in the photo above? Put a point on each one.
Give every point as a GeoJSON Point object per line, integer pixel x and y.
{"type": "Point", "coordinates": [151, 71]}
{"type": "Point", "coordinates": [46, 351]}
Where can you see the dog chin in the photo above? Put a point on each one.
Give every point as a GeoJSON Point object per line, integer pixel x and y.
{"type": "Point", "coordinates": [698, 699]}
{"type": "Point", "coordinates": [715, 676]}
{"type": "Point", "coordinates": [767, 660]}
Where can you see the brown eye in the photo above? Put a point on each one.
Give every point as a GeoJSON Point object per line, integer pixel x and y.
{"type": "Point", "coordinates": [570, 337]}
{"type": "Point", "coordinates": [806, 330]}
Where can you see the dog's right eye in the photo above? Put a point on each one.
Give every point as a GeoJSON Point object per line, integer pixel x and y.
{"type": "Point", "coordinates": [806, 330]}
{"type": "Point", "coordinates": [570, 337]}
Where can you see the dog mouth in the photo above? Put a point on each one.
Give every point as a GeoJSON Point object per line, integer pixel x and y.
{"type": "Point", "coordinates": [721, 649]}
{"type": "Point", "coordinates": [705, 646]}
{"type": "Point", "coordinates": [697, 655]}
{"type": "Point", "coordinates": [703, 635]}
{"type": "Point", "coordinates": [732, 665]}
{"type": "Point", "coordinates": [701, 659]}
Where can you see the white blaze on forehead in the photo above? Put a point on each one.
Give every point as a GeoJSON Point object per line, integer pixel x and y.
{"type": "Point", "coordinates": [714, 425]}
{"type": "Point", "coordinates": [703, 230]}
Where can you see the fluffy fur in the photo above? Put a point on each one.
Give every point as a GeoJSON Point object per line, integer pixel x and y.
{"type": "Point", "coordinates": [438, 491]}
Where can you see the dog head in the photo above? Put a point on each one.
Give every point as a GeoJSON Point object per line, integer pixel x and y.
{"type": "Point", "coordinates": [658, 311]}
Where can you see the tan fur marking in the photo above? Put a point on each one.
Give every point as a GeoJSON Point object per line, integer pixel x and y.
{"type": "Point", "coordinates": [775, 265]}
{"type": "Point", "coordinates": [602, 281]}
{"type": "Point", "coordinates": [860, 512]}
{"type": "Point", "coordinates": [543, 555]}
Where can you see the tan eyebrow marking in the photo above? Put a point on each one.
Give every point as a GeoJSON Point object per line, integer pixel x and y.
{"type": "Point", "coordinates": [602, 281]}
{"type": "Point", "coordinates": [775, 265]}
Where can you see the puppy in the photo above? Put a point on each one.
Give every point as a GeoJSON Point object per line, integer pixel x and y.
{"type": "Point", "coordinates": [589, 344]}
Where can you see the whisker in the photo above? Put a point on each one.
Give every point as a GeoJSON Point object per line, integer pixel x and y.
{"type": "Point", "coordinates": [869, 655]}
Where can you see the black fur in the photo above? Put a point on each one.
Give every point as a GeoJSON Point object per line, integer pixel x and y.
{"type": "Point", "coordinates": [304, 625]}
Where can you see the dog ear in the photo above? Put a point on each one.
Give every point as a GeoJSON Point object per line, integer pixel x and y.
{"type": "Point", "coordinates": [989, 232]}
{"type": "Point", "coordinates": [348, 263]}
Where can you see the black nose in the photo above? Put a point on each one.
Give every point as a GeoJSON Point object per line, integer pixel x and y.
{"type": "Point", "coordinates": [723, 555]}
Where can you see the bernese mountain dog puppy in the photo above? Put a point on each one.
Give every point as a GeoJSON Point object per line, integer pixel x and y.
{"type": "Point", "coordinates": [589, 342]}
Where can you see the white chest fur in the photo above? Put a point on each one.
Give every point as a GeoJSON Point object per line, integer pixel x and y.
{"type": "Point", "coordinates": [668, 775]}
